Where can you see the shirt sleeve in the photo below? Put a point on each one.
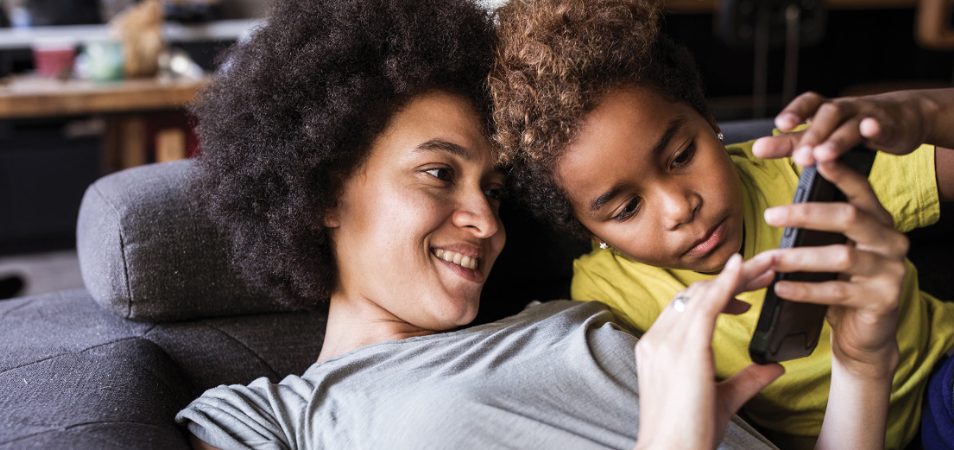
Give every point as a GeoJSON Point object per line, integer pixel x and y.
{"type": "Point", "coordinates": [599, 279]}
{"type": "Point", "coordinates": [239, 417]}
{"type": "Point", "coordinates": [907, 187]}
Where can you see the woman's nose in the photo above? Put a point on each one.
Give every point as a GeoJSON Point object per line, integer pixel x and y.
{"type": "Point", "coordinates": [477, 216]}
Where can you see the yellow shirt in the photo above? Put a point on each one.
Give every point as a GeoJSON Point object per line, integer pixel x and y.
{"type": "Point", "coordinates": [792, 408]}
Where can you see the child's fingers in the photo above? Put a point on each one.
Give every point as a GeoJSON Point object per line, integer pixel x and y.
{"type": "Point", "coordinates": [839, 142]}
{"type": "Point", "coordinates": [871, 129]}
{"type": "Point", "coordinates": [828, 118]}
{"type": "Point", "coordinates": [798, 110]}
{"type": "Point", "coordinates": [776, 146]}
{"type": "Point", "coordinates": [742, 386]}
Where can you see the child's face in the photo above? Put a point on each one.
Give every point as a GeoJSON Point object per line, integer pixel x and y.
{"type": "Point", "coordinates": [649, 177]}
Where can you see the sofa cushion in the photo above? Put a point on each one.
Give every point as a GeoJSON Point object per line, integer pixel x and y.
{"type": "Point", "coordinates": [75, 376]}
{"type": "Point", "coordinates": [148, 252]}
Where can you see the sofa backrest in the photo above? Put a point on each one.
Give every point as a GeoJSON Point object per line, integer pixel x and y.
{"type": "Point", "coordinates": [148, 252]}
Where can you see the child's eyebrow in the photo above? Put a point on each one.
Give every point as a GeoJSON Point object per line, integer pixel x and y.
{"type": "Point", "coordinates": [674, 125]}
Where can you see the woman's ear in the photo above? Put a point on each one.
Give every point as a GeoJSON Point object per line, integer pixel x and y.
{"type": "Point", "coordinates": [330, 220]}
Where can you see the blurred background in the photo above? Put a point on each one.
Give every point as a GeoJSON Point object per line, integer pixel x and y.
{"type": "Point", "coordinates": [89, 87]}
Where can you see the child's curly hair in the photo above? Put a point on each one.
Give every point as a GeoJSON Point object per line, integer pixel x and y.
{"type": "Point", "coordinates": [296, 108]}
{"type": "Point", "coordinates": [555, 61]}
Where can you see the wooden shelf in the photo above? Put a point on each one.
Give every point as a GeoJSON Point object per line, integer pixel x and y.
{"type": "Point", "coordinates": [222, 30]}
{"type": "Point", "coordinates": [708, 6]}
{"type": "Point", "coordinates": [28, 97]}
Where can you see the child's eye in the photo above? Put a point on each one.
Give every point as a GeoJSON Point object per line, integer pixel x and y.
{"type": "Point", "coordinates": [629, 210]}
{"type": "Point", "coordinates": [441, 173]}
{"type": "Point", "coordinates": [495, 193]}
{"type": "Point", "coordinates": [684, 157]}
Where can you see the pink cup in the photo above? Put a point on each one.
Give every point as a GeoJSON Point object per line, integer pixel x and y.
{"type": "Point", "coordinates": [54, 58]}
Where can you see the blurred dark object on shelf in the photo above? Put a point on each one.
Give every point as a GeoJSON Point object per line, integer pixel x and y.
{"type": "Point", "coordinates": [112, 8]}
{"type": "Point", "coordinates": [4, 20]}
{"type": "Point", "coordinates": [935, 24]}
{"type": "Point", "coordinates": [192, 11]}
{"type": "Point", "coordinates": [10, 286]}
{"type": "Point", "coordinates": [763, 24]}
{"type": "Point", "coordinates": [63, 12]}
{"type": "Point", "coordinates": [245, 9]}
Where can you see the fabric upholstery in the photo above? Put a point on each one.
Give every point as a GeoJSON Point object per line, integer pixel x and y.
{"type": "Point", "coordinates": [148, 252]}
{"type": "Point", "coordinates": [75, 376]}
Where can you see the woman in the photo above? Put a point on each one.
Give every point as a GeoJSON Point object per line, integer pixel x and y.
{"type": "Point", "coordinates": [346, 154]}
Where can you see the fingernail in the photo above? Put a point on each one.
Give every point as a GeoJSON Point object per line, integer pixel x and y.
{"type": "Point", "coordinates": [772, 215]}
{"type": "Point", "coordinates": [803, 155]}
{"type": "Point", "coordinates": [735, 260]}
{"type": "Point", "coordinates": [825, 152]}
{"type": "Point", "coordinates": [782, 288]}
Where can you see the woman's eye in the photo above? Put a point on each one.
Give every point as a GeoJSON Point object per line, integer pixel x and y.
{"type": "Point", "coordinates": [441, 173]}
{"type": "Point", "coordinates": [628, 211]}
{"type": "Point", "coordinates": [684, 157]}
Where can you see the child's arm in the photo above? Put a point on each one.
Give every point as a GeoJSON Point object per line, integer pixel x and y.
{"type": "Point", "coordinates": [863, 303]}
{"type": "Point", "coordinates": [895, 122]}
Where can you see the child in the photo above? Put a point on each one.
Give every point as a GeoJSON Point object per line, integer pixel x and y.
{"type": "Point", "coordinates": [605, 124]}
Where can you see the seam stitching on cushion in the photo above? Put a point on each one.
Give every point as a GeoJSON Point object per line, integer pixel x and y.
{"type": "Point", "coordinates": [15, 308]}
{"type": "Point", "coordinates": [68, 353]}
{"type": "Point", "coordinates": [255, 354]}
{"type": "Point", "coordinates": [122, 248]}
{"type": "Point", "coordinates": [69, 428]}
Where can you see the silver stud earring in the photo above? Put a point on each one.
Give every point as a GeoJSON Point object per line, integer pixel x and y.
{"type": "Point", "coordinates": [721, 136]}
{"type": "Point", "coordinates": [604, 245]}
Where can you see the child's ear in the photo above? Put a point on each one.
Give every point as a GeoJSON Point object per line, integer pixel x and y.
{"type": "Point", "coordinates": [712, 122]}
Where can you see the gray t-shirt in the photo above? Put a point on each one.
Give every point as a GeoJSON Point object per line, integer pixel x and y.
{"type": "Point", "coordinates": [558, 375]}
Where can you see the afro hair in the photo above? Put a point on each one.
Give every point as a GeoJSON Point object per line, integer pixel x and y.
{"type": "Point", "coordinates": [294, 110]}
{"type": "Point", "coordinates": [555, 61]}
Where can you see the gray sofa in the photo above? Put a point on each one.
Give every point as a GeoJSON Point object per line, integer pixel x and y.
{"type": "Point", "coordinates": [164, 317]}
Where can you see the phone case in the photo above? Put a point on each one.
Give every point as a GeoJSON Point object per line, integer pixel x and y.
{"type": "Point", "coordinates": [788, 330]}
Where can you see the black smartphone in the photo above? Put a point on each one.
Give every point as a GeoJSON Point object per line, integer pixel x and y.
{"type": "Point", "coordinates": [788, 330]}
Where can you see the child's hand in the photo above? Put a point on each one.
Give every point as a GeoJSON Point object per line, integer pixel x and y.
{"type": "Point", "coordinates": [863, 304]}
{"type": "Point", "coordinates": [675, 364]}
{"type": "Point", "coordinates": [894, 122]}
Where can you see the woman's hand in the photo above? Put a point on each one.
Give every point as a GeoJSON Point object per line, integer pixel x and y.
{"type": "Point", "coordinates": [681, 405]}
{"type": "Point", "coordinates": [862, 304]}
{"type": "Point", "coordinates": [895, 122]}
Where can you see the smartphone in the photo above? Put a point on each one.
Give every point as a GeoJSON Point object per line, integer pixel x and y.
{"type": "Point", "coordinates": [789, 330]}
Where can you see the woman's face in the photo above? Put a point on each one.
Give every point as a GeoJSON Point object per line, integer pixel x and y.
{"type": "Point", "coordinates": [649, 177]}
{"type": "Point", "coordinates": [416, 229]}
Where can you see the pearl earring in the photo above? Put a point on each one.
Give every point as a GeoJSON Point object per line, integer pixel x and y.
{"type": "Point", "coordinates": [604, 245]}
{"type": "Point", "coordinates": [721, 136]}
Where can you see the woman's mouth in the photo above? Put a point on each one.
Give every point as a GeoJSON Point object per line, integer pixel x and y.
{"type": "Point", "coordinates": [464, 265]}
{"type": "Point", "coordinates": [457, 258]}
{"type": "Point", "coordinates": [709, 242]}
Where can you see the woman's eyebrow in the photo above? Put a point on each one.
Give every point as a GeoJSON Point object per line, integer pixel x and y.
{"type": "Point", "coordinates": [442, 145]}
